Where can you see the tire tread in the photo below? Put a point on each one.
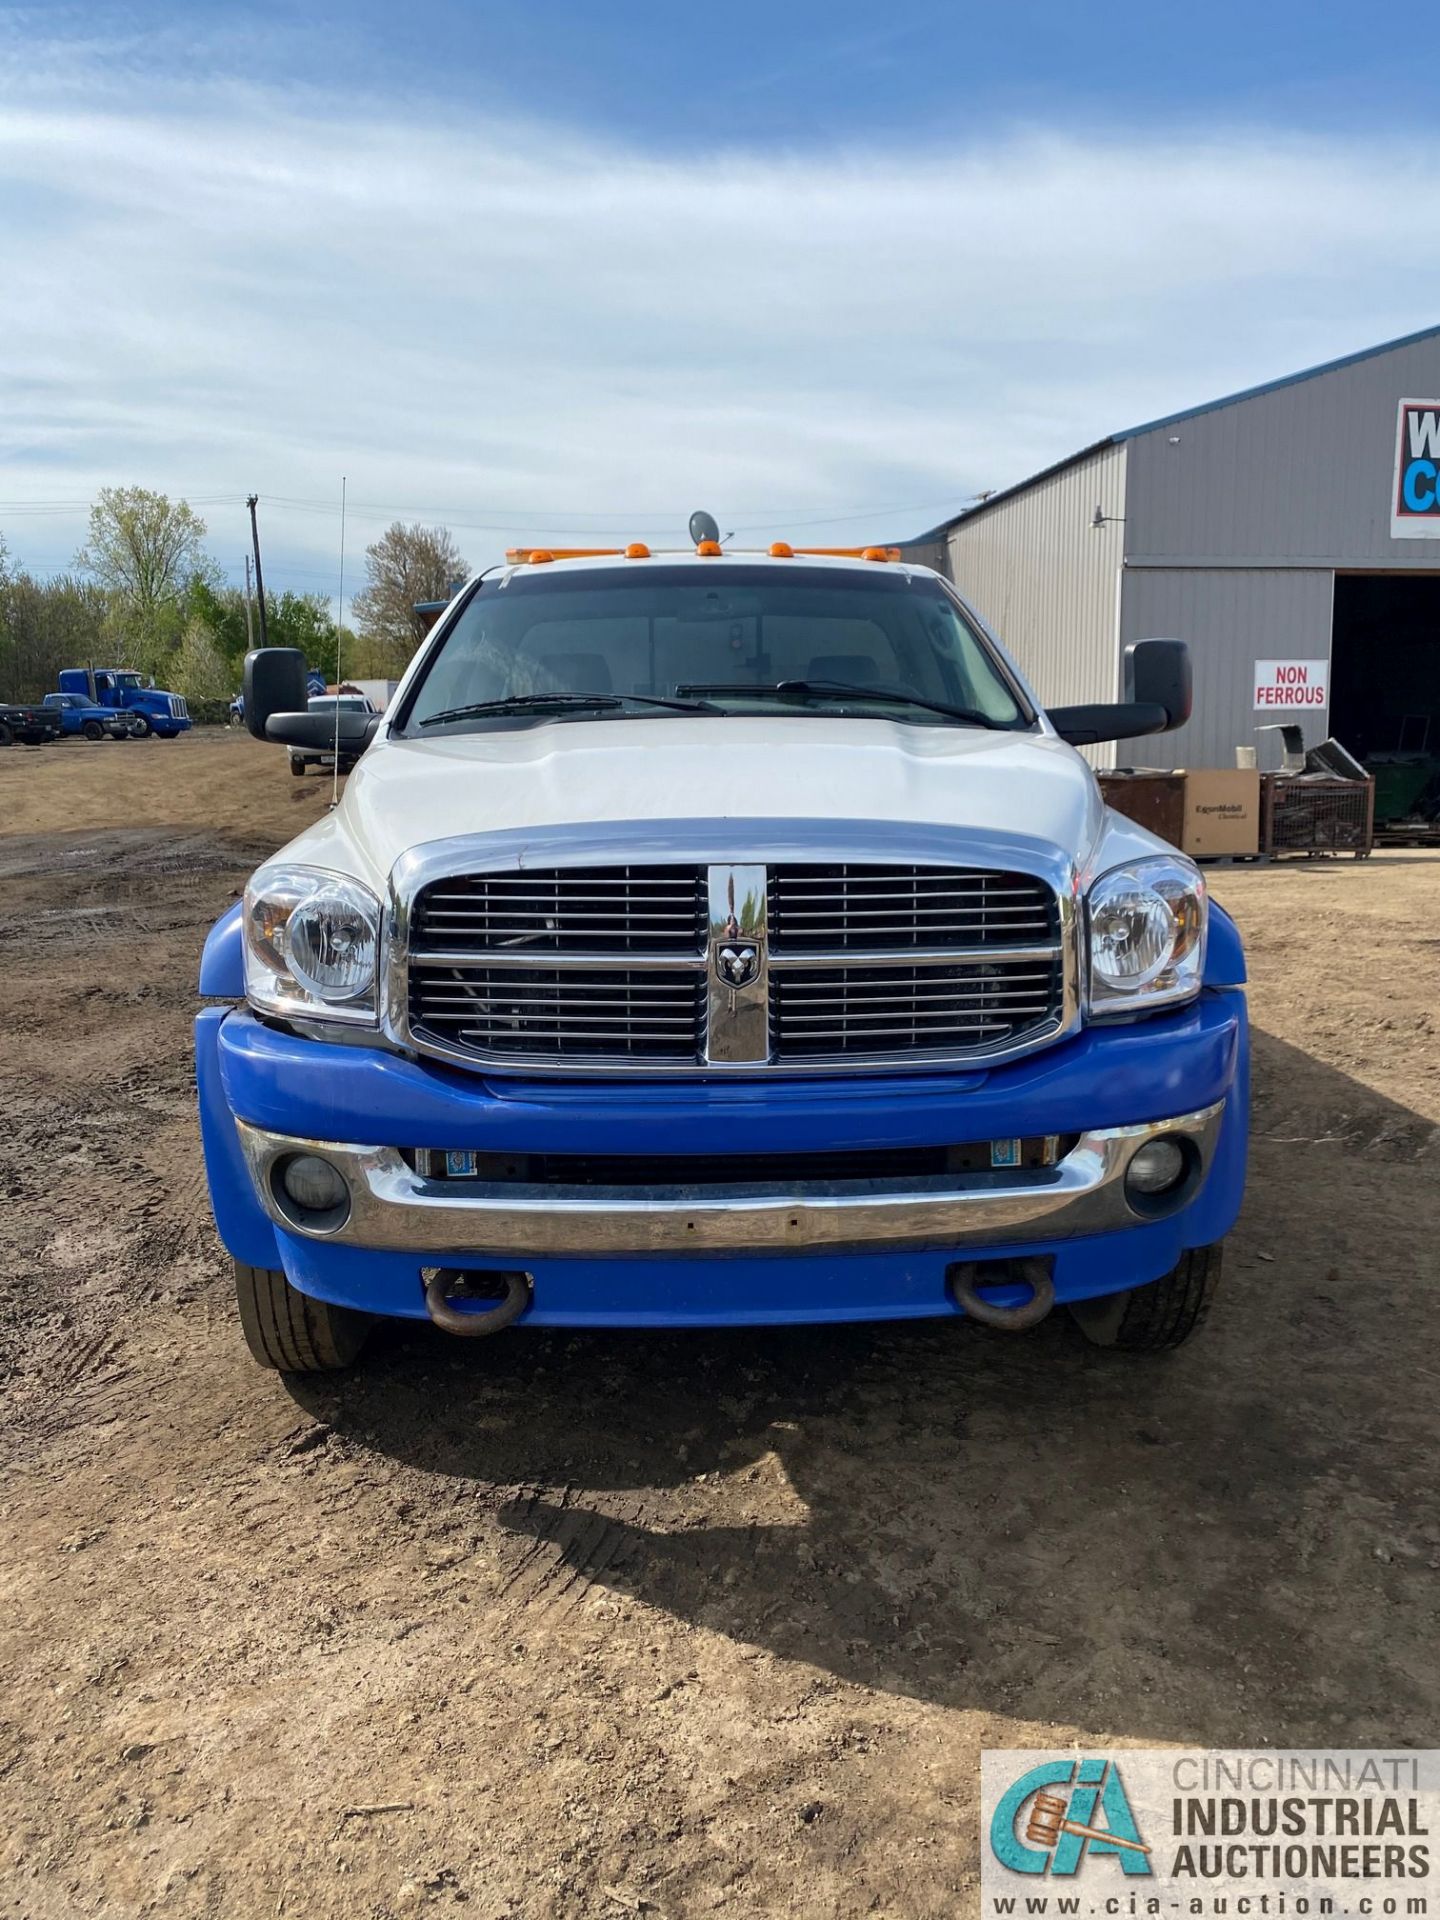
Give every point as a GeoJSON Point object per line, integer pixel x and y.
{"type": "Point", "coordinates": [1165, 1314]}
{"type": "Point", "coordinates": [289, 1331]}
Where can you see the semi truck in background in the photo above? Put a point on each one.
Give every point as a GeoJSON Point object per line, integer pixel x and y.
{"type": "Point", "coordinates": [152, 710]}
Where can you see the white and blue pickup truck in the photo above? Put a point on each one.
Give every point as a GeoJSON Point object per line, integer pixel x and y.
{"type": "Point", "coordinates": [720, 938]}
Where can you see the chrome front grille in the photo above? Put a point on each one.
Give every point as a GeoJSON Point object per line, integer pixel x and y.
{"type": "Point", "coordinates": [820, 1011]}
{"type": "Point", "coordinates": [849, 908]}
{"type": "Point", "coordinates": [676, 966]}
{"type": "Point", "coordinates": [639, 909]}
{"type": "Point", "coordinates": [558, 1013]}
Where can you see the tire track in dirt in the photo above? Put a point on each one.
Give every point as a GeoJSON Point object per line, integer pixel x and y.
{"type": "Point", "coordinates": [651, 1623]}
{"type": "Point", "coordinates": [100, 933]}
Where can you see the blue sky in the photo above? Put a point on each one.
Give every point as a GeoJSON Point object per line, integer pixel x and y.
{"type": "Point", "coordinates": [678, 76]}
{"type": "Point", "coordinates": [562, 271]}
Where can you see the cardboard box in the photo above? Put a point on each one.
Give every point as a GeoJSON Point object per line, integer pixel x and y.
{"type": "Point", "coordinates": [1222, 813]}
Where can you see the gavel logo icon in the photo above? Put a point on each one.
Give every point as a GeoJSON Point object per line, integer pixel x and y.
{"type": "Point", "coordinates": [1047, 1822]}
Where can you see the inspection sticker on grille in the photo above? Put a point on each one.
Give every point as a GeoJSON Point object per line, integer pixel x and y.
{"type": "Point", "coordinates": [1210, 1832]}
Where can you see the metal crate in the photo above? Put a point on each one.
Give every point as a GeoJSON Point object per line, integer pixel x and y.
{"type": "Point", "coordinates": [1312, 815]}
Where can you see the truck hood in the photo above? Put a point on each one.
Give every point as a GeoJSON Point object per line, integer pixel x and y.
{"type": "Point", "coordinates": [581, 776]}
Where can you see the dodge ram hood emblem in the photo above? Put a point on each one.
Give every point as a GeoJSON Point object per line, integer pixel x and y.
{"type": "Point", "coordinates": [737, 966]}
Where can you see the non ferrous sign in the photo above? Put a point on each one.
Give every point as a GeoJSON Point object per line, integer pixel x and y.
{"type": "Point", "coordinates": [1291, 685]}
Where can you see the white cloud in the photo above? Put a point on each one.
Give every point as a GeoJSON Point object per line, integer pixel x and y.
{"type": "Point", "coordinates": [532, 333]}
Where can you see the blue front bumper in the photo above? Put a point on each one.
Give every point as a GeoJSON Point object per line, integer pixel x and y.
{"type": "Point", "coordinates": [1107, 1076]}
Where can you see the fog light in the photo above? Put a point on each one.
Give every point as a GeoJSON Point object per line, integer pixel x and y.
{"type": "Point", "coordinates": [1156, 1168]}
{"type": "Point", "coordinates": [312, 1184]}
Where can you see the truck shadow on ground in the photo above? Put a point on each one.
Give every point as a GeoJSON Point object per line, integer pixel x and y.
{"type": "Point", "coordinates": [1235, 1543]}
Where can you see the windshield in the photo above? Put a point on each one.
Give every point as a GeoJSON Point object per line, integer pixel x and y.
{"type": "Point", "coordinates": [733, 638]}
{"type": "Point", "coordinates": [127, 679]}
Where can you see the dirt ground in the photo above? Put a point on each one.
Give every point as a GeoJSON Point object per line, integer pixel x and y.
{"type": "Point", "coordinates": [627, 1624]}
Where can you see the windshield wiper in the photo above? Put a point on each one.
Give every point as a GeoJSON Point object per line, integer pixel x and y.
{"type": "Point", "coordinates": [564, 703]}
{"type": "Point", "coordinates": [842, 689]}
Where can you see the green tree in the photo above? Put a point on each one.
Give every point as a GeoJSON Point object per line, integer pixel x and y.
{"type": "Point", "coordinates": [144, 550]}
{"type": "Point", "coordinates": [406, 565]}
{"type": "Point", "coordinates": [221, 609]}
{"type": "Point", "coordinates": [199, 669]}
{"type": "Point", "coordinates": [304, 620]}
{"type": "Point", "coordinates": [300, 620]}
{"type": "Point", "coordinates": [44, 626]}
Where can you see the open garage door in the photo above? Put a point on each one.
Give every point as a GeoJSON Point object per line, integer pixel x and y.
{"type": "Point", "coordinates": [1385, 686]}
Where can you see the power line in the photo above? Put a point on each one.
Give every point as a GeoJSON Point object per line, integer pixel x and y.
{"type": "Point", "coordinates": [514, 518]}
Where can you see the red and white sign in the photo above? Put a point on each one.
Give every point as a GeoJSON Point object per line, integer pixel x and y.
{"type": "Point", "coordinates": [1291, 685]}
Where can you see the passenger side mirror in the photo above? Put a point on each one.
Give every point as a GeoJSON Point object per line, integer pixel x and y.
{"type": "Point", "coordinates": [275, 682]}
{"type": "Point", "coordinates": [1157, 682]}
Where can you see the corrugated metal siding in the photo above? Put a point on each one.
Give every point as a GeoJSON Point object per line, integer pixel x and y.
{"type": "Point", "coordinates": [927, 553]}
{"type": "Point", "coordinates": [1232, 617]}
{"type": "Point", "coordinates": [1301, 474]}
{"type": "Point", "coordinates": [1047, 581]}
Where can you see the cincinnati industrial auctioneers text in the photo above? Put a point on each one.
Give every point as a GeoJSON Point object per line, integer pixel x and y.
{"type": "Point", "coordinates": [1334, 1828]}
{"type": "Point", "coordinates": [1210, 1833]}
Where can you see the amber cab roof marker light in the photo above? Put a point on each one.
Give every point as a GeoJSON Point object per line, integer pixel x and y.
{"type": "Point", "coordinates": [540, 557]}
{"type": "Point", "coordinates": [537, 556]}
{"type": "Point", "coordinates": [781, 550]}
{"type": "Point", "coordinates": [852, 553]}
{"type": "Point", "coordinates": [637, 550]}
{"type": "Point", "coordinates": [708, 548]}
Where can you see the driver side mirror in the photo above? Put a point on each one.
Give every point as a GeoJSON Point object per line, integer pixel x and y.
{"type": "Point", "coordinates": [277, 705]}
{"type": "Point", "coordinates": [1158, 698]}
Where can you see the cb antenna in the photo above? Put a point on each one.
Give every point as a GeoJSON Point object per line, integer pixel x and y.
{"type": "Point", "coordinates": [339, 638]}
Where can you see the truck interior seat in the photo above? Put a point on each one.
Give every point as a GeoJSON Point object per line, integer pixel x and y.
{"type": "Point", "coordinates": [578, 672]}
{"type": "Point", "coordinates": [856, 668]}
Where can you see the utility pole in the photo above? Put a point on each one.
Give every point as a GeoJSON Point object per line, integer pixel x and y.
{"type": "Point", "coordinates": [249, 610]}
{"type": "Point", "coordinates": [252, 502]}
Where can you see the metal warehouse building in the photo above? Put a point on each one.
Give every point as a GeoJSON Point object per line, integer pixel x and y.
{"type": "Point", "coordinates": [1290, 533]}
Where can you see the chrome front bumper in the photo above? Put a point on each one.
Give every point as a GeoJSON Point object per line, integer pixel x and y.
{"type": "Point", "coordinates": [393, 1208]}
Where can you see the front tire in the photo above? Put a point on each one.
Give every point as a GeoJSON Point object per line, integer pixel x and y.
{"type": "Point", "coordinates": [141, 729]}
{"type": "Point", "coordinates": [289, 1331]}
{"type": "Point", "coordinates": [1156, 1318]}
{"type": "Point", "coordinates": [93, 730]}
{"type": "Point", "coordinates": [299, 767]}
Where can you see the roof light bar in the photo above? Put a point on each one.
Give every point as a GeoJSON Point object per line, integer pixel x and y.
{"type": "Point", "coordinates": [707, 549]}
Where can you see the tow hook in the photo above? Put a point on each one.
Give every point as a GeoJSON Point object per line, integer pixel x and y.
{"type": "Point", "coordinates": [447, 1280]}
{"type": "Point", "coordinates": [961, 1281]}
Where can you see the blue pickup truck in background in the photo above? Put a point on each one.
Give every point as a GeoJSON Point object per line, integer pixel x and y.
{"type": "Point", "coordinates": [121, 689]}
{"type": "Point", "coordinates": [79, 715]}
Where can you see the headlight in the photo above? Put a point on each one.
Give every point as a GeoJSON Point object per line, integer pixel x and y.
{"type": "Point", "coordinates": [1147, 936]}
{"type": "Point", "coordinates": [312, 944]}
